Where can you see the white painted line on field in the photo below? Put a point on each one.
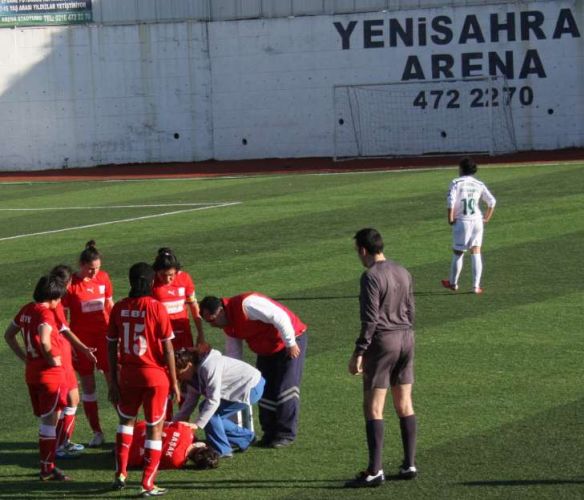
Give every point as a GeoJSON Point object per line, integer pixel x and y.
{"type": "Point", "coordinates": [121, 221]}
{"type": "Point", "coordinates": [41, 209]}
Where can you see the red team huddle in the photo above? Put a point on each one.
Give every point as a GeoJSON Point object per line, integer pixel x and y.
{"type": "Point", "coordinates": [131, 342]}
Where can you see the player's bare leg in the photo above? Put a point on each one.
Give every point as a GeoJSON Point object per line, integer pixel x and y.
{"type": "Point", "coordinates": [402, 402]}
{"type": "Point", "coordinates": [90, 407]}
{"type": "Point", "coordinates": [477, 269]}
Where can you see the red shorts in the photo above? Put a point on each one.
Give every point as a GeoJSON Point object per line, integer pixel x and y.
{"type": "Point", "coordinates": [84, 366]}
{"type": "Point", "coordinates": [70, 379]}
{"type": "Point", "coordinates": [183, 336]}
{"type": "Point", "coordinates": [152, 399]}
{"type": "Point", "coordinates": [47, 398]}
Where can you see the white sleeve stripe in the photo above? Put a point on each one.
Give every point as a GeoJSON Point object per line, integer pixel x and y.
{"type": "Point", "coordinates": [261, 309]}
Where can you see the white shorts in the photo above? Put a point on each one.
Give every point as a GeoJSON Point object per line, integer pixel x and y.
{"type": "Point", "coordinates": [467, 234]}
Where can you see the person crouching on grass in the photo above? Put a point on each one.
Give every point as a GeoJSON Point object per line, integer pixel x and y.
{"type": "Point", "coordinates": [228, 385]}
{"type": "Point", "coordinates": [140, 339]}
{"type": "Point", "coordinates": [45, 375]}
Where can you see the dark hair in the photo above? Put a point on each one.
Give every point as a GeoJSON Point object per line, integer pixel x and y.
{"type": "Point", "coordinates": [467, 166]}
{"type": "Point", "coordinates": [90, 253]}
{"type": "Point", "coordinates": [204, 458]}
{"type": "Point", "coordinates": [47, 289]}
{"type": "Point", "coordinates": [370, 240]}
{"type": "Point", "coordinates": [165, 260]}
{"type": "Point", "coordinates": [184, 356]}
{"type": "Point", "coordinates": [141, 276]}
{"type": "Point", "coordinates": [210, 304]}
{"type": "Point", "coordinates": [62, 272]}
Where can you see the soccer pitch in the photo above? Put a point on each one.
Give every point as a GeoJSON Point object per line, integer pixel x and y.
{"type": "Point", "coordinates": [498, 390]}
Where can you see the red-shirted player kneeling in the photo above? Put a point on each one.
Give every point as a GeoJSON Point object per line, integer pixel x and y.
{"type": "Point", "coordinates": [179, 445]}
{"type": "Point", "coordinates": [140, 341]}
{"type": "Point", "coordinates": [45, 375]}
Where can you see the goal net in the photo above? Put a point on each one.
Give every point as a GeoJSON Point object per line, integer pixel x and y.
{"type": "Point", "coordinates": [417, 118]}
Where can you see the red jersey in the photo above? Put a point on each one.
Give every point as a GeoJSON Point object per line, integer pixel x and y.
{"type": "Point", "coordinates": [87, 304]}
{"type": "Point", "coordinates": [140, 325]}
{"type": "Point", "coordinates": [177, 437]}
{"type": "Point", "coordinates": [174, 296]}
{"type": "Point", "coordinates": [61, 322]}
{"type": "Point", "coordinates": [30, 319]}
{"type": "Point", "coordinates": [262, 338]}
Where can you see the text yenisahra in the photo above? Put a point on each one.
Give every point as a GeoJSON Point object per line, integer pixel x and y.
{"type": "Point", "coordinates": [439, 31]}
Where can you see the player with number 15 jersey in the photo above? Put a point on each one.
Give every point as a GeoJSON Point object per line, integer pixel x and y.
{"type": "Point", "coordinates": [140, 325]}
{"type": "Point", "coordinates": [140, 342]}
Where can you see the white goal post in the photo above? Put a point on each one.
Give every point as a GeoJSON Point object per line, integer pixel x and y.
{"type": "Point", "coordinates": [434, 117]}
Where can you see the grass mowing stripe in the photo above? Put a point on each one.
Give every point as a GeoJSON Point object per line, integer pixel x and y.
{"type": "Point", "coordinates": [133, 219]}
{"type": "Point", "coordinates": [497, 390]}
{"type": "Point", "coordinates": [109, 207]}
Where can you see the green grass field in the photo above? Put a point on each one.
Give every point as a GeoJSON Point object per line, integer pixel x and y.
{"type": "Point", "coordinates": [498, 389]}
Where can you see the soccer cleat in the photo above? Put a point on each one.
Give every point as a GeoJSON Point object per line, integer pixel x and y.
{"type": "Point", "coordinates": [407, 472]}
{"type": "Point", "coordinates": [477, 290]}
{"type": "Point", "coordinates": [154, 492]}
{"type": "Point", "coordinates": [450, 286]}
{"type": "Point", "coordinates": [97, 440]}
{"type": "Point", "coordinates": [65, 453]}
{"type": "Point", "coordinates": [119, 482]}
{"type": "Point", "coordinates": [55, 475]}
{"type": "Point", "coordinates": [71, 446]}
{"type": "Point", "coordinates": [366, 480]}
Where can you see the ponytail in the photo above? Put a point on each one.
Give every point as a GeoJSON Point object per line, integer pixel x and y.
{"type": "Point", "coordinates": [90, 253]}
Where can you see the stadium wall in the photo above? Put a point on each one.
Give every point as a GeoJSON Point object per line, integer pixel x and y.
{"type": "Point", "coordinates": [257, 88]}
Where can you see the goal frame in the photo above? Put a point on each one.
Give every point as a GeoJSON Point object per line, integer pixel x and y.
{"type": "Point", "coordinates": [355, 119]}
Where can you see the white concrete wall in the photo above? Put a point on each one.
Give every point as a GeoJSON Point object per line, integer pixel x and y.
{"type": "Point", "coordinates": [99, 94]}
{"type": "Point", "coordinates": [90, 95]}
{"type": "Point", "coordinates": [273, 80]}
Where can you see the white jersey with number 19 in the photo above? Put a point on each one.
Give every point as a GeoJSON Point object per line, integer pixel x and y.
{"type": "Point", "coordinates": [464, 195]}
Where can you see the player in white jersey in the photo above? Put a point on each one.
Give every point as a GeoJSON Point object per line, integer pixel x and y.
{"type": "Point", "coordinates": [464, 214]}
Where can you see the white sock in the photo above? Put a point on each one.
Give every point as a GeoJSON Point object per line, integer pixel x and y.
{"type": "Point", "coordinates": [477, 269]}
{"type": "Point", "coordinates": [456, 268]}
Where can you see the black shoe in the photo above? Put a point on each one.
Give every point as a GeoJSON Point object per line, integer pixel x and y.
{"type": "Point", "coordinates": [407, 473]}
{"type": "Point", "coordinates": [281, 443]}
{"type": "Point", "coordinates": [366, 480]}
{"type": "Point", "coordinates": [264, 442]}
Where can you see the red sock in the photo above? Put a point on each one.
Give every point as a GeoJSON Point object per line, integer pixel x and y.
{"type": "Point", "coordinates": [60, 431]}
{"type": "Point", "coordinates": [91, 411]}
{"type": "Point", "coordinates": [124, 438]}
{"type": "Point", "coordinates": [69, 423]}
{"type": "Point", "coordinates": [47, 447]}
{"type": "Point", "coordinates": [152, 454]}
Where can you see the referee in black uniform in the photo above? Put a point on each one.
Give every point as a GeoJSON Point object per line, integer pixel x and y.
{"type": "Point", "coordinates": [384, 354]}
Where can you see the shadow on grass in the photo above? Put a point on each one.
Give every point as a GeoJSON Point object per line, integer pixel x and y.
{"type": "Point", "coordinates": [321, 297]}
{"type": "Point", "coordinates": [523, 456]}
{"type": "Point", "coordinates": [26, 455]}
{"type": "Point", "coordinates": [527, 482]}
{"type": "Point", "coordinates": [33, 488]}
